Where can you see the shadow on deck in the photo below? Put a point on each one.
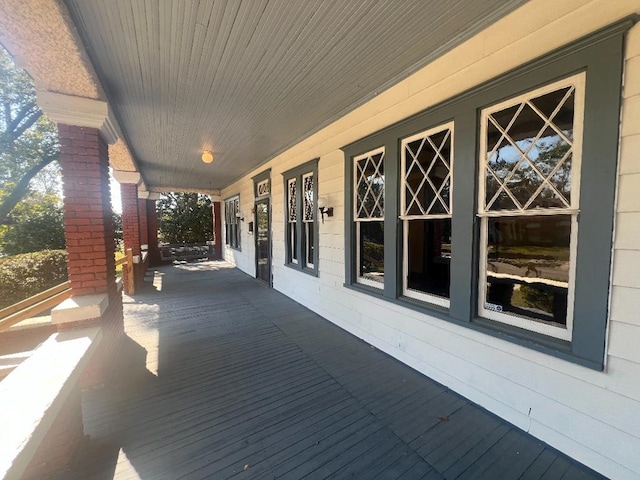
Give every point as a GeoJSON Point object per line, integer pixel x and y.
{"type": "Point", "coordinates": [242, 382]}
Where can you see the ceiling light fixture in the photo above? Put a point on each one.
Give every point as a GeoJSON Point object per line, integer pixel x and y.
{"type": "Point", "coordinates": [207, 156]}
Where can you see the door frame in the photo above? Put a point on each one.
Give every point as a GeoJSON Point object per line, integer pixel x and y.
{"type": "Point", "coordinates": [263, 200]}
{"type": "Point", "coordinates": [262, 194]}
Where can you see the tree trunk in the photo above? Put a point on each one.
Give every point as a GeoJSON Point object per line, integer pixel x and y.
{"type": "Point", "coordinates": [21, 188]}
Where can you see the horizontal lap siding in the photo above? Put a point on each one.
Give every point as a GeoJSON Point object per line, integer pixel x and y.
{"type": "Point", "coordinates": [624, 329]}
{"type": "Point", "coordinates": [592, 416]}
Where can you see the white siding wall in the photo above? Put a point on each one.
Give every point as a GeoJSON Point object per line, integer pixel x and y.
{"type": "Point", "coordinates": [592, 416]}
{"type": "Point", "coordinates": [244, 258]}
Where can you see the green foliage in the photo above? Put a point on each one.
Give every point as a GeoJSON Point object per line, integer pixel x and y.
{"type": "Point", "coordinates": [536, 298]}
{"type": "Point", "coordinates": [28, 140]}
{"type": "Point", "coordinates": [35, 224]}
{"type": "Point", "coordinates": [22, 276]}
{"type": "Point", "coordinates": [117, 230]}
{"type": "Point", "coordinates": [185, 218]}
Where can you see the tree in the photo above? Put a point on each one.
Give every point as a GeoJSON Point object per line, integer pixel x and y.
{"type": "Point", "coordinates": [185, 218]}
{"type": "Point", "coordinates": [28, 140]}
{"type": "Point", "coordinates": [35, 224]}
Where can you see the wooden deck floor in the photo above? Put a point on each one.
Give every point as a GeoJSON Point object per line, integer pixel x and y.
{"type": "Point", "coordinates": [242, 382]}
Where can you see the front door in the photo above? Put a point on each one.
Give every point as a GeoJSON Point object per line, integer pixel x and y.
{"type": "Point", "coordinates": [263, 241]}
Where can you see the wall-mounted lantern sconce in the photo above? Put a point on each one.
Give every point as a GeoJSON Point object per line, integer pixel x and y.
{"type": "Point", "coordinates": [239, 217]}
{"type": "Point", "coordinates": [207, 156]}
{"type": "Point", "coordinates": [322, 207]}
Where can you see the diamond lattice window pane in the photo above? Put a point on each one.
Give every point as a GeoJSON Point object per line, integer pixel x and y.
{"type": "Point", "coordinates": [307, 199]}
{"type": "Point", "coordinates": [291, 200]}
{"type": "Point", "coordinates": [528, 156]}
{"type": "Point", "coordinates": [427, 174]}
{"type": "Point", "coordinates": [370, 186]}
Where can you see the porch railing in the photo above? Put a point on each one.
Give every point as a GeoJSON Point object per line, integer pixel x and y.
{"type": "Point", "coordinates": [186, 251]}
{"type": "Point", "coordinates": [34, 305]}
{"type": "Point", "coordinates": [43, 301]}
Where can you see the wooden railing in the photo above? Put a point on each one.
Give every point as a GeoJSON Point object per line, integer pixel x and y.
{"type": "Point", "coordinates": [34, 305]}
{"type": "Point", "coordinates": [48, 299]}
{"type": "Point", "coordinates": [127, 264]}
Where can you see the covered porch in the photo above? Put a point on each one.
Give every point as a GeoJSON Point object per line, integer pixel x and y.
{"type": "Point", "coordinates": [281, 112]}
{"type": "Point", "coordinates": [222, 377]}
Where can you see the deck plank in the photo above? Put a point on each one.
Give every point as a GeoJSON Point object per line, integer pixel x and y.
{"type": "Point", "coordinates": [221, 377]}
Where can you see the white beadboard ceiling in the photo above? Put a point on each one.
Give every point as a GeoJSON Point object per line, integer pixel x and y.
{"type": "Point", "coordinates": [249, 78]}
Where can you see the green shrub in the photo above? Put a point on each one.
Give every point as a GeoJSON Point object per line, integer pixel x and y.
{"type": "Point", "coordinates": [22, 276]}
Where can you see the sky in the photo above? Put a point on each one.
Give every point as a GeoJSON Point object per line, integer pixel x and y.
{"type": "Point", "coordinates": [116, 202]}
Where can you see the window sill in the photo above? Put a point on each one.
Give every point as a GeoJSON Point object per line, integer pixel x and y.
{"type": "Point", "coordinates": [534, 341]}
{"type": "Point", "coordinates": [298, 268]}
{"type": "Point", "coordinates": [551, 346]}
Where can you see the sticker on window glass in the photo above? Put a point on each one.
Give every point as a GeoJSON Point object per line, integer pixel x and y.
{"type": "Point", "coordinates": [493, 307]}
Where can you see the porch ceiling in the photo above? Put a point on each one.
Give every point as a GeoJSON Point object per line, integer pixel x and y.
{"type": "Point", "coordinates": [247, 79]}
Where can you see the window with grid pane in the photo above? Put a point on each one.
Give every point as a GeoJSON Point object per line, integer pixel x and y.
{"type": "Point", "coordinates": [528, 206]}
{"type": "Point", "coordinates": [232, 224]}
{"type": "Point", "coordinates": [301, 219]}
{"type": "Point", "coordinates": [308, 219]}
{"type": "Point", "coordinates": [369, 217]}
{"type": "Point", "coordinates": [426, 214]}
{"type": "Point", "coordinates": [292, 215]}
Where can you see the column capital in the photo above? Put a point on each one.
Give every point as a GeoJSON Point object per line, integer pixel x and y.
{"type": "Point", "coordinates": [153, 196]}
{"type": "Point", "coordinates": [143, 194]}
{"type": "Point", "coordinates": [127, 177]}
{"type": "Point", "coordinates": [80, 112]}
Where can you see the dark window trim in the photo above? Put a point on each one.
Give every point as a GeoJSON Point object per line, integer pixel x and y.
{"type": "Point", "coordinates": [601, 54]}
{"type": "Point", "coordinates": [265, 175]}
{"type": "Point", "coordinates": [237, 223]}
{"type": "Point", "coordinates": [308, 167]}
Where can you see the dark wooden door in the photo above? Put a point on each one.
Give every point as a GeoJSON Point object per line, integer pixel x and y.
{"type": "Point", "coordinates": [263, 241]}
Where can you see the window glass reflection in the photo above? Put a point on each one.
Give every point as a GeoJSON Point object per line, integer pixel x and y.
{"type": "Point", "coordinates": [429, 256]}
{"type": "Point", "coordinates": [528, 266]}
{"type": "Point", "coordinates": [371, 251]}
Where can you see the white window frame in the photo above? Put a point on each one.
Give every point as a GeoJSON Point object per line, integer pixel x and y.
{"type": "Point", "coordinates": [358, 221]}
{"type": "Point", "coordinates": [231, 207]}
{"type": "Point", "coordinates": [292, 247]}
{"type": "Point", "coordinates": [309, 236]}
{"type": "Point", "coordinates": [578, 81]}
{"type": "Point", "coordinates": [406, 291]}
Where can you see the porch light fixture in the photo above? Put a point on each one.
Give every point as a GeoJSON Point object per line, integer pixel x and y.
{"type": "Point", "coordinates": [207, 156]}
{"type": "Point", "coordinates": [322, 207]}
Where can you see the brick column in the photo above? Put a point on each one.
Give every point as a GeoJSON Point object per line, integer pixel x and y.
{"type": "Point", "coordinates": [89, 235]}
{"type": "Point", "coordinates": [142, 215]}
{"type": "Point", "coordinates": [217, 230]}
{"type": "Point", "coordinates": [130, 227]}
{"type": "Point", "coordinates": [85, 129]}
{"type": "Point", "coordinates": [84, 159]}
{"type": "Point", "coordinates": [152, 229]}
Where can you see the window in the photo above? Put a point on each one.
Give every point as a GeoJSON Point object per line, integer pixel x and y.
{"type": "Point", "coordinates": [232, 221]}
{"type": "Point", "coordinates": [426, 213]}
{"type": "Point", "coordinates": [528, 206]}
{"type": "Point", "coordinates": [308, 219]}
{"type": "Point", "coordinates": [301, 217]}
{"type": "Point", "coordinates": [369, 217]}
{"type": "Point", "coordinates": [513, 236]}
{"type": "Point", "coordinates": [292, 217]}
